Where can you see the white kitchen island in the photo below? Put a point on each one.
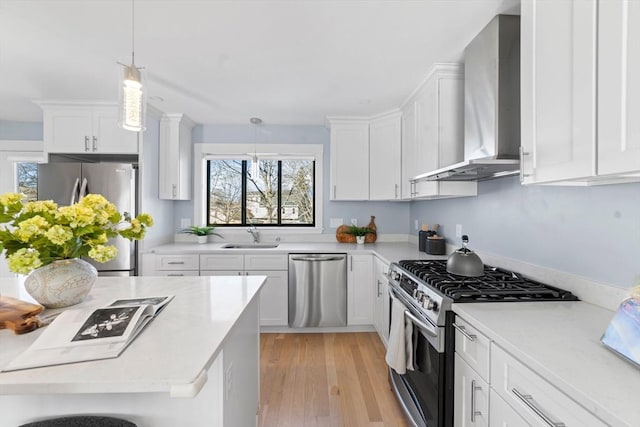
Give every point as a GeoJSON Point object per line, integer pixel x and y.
{"type": "Point", "coordinates": [196, 364]}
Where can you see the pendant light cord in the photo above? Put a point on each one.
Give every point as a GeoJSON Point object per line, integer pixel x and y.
{"type": "Point", "coordinates": [133, 60]}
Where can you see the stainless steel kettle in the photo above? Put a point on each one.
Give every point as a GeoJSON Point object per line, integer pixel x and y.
{"type": "Point", "coordinates": [465, 262]}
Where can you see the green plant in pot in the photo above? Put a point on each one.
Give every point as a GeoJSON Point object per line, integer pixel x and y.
{"type": "Point", "coordinates": [201, 232]}
{"type": "Point", "coordinates": [359, 232]}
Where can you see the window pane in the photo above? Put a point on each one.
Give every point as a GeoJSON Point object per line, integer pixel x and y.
{"type": "Point", "coordinates": [297, 192]}
{"type": "Point", "coordinates": [262, 192]}
{"type": "Point", "coordinates": [225, 192]}
{"type": "Point", "coordinates": [27, 179]}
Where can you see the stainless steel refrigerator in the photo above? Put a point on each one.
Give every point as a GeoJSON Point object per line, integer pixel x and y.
{"type": "Point", "coordinates": [66, 183]}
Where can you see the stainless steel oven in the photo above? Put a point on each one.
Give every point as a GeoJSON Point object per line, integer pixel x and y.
{"type": "Point", "coordinates": [426, 291]}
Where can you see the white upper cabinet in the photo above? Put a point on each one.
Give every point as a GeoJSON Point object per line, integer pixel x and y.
{"type": "Point", "coordinates": [349, 145]}
{"type": "Point", "coordinates": [175, 163]}
{"type": "Point", "coordinates": [577, 98]}
{"type": "Point", "coordinates": [435, 133]}
{"type": "Point", "coordinates": [385, 172]}
{"type": "Point", "coordinates": [79, 127]}
{"type": "Point", "coordinates": [618, 87]}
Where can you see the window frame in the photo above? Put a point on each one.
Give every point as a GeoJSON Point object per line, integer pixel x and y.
{"type": "Point", "coordinates": [206, 151]}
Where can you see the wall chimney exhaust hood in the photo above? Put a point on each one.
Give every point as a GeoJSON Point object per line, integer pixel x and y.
{"type": "Point", "coordinates": [492, 105]}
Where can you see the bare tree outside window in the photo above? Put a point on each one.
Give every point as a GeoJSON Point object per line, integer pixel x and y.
{"type": "Point", "coordinates": [27, 179]}
{"type": "Point", "coordinates": [282, 192]}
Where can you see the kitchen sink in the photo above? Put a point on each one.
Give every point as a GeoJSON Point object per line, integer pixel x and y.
{"type": "Point", "coordinates": [250, 246]}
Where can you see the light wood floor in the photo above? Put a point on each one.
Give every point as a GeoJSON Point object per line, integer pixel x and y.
{"type": "Point", "coordinates": [325, 380]}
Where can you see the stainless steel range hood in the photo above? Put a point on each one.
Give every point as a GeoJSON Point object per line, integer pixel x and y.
{"type": "Point", "coordinates": [492, 105]}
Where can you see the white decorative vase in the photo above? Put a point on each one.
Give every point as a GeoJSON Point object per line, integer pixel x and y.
{"type": "Point", "coordinates": [202, 239]}
{"type": "Point", "coordinates": [360, 240]}
{"type": "Point", "coordinates": [62, 283]}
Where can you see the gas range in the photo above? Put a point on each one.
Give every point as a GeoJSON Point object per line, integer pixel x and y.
{"type": "Point", "coordinates": [431, 289]}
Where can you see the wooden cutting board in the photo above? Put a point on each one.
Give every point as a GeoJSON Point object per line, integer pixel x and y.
{"type": "Point", "coordinates": [17, 315]}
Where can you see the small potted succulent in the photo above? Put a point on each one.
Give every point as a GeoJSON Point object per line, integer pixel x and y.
{"type": "Point", "coordinates": [359, 232]}
{"type": "Point", "coordinates": [201, 232]}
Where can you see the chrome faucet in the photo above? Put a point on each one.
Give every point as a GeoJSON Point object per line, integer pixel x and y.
{"type": "Point", "coordinates": [254, 232]}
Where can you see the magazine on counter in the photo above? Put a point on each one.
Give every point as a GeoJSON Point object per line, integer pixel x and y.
{"type": "Point", "coordinates": [79, 335]}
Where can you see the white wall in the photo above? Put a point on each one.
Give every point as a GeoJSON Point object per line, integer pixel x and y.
{"type": "Point", "coordinates": [593, 232]}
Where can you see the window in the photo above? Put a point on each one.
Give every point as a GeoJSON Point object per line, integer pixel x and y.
{"type": "Point", "coordinates": [282, 192]}
{"type": "Point", "coordinates": [272, 192]}
{"type": "Point", "coordinates": [27, 180]}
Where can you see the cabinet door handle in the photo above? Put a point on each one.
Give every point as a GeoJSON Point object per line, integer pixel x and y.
{"type": "Point", "coordinates": [175, 262]}
{"type": "Point", "coordinates": [474, 413]}
{"type": "Point", "coordinates": [464, 332]}
{"type": "Point", "coordinates": [86, 143]}
{"type": "Point", "coordinates": [174, 190]}
{"type": "Point", "coordinates": [350, 262]}
{"type": "Point", "coordinates": [175, 274]}
{"type": "Point", "coordinates": [334, 191]}
{"type": "Point", "coordinates": [522, 174]}
{"type": "Point", "coordinates": [95, 143]}
{"type": "Point", "coordinates": [378, 287]}
{"type": "Point", "coordinates": [527, 399]}
{"type": "Point", "coordinates": [396, 191]}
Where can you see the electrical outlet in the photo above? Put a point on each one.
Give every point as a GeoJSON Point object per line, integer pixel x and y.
{"type": "Point", "coordinates": [415, 225]}
{"type": "Point", "coordinates": [185, 222]}
{"type": "Point", "coordinates": [354, 221]}
{"type": "Point", "coordinates": [458, 230]}
{"type": "Point", "coordinates": [335, 222]}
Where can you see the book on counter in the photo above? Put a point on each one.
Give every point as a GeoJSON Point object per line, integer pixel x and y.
{"type": "Point", "coordinates": [79, 335]}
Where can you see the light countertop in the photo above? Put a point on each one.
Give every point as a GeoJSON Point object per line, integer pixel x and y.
{"type": "Point", "coordinates": [387, 251]}
{"type": "Point", "coordinates": [561, 342]}
{"type": "Point", "coordinates": [171, 355]}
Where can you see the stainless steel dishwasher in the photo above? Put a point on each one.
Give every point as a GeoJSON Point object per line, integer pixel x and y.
{"type": "Point", "coordinates": [317, 290]}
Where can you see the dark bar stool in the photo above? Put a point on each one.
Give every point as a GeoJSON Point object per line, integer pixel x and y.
{"type": "Point", "coordinates": [81, 421]}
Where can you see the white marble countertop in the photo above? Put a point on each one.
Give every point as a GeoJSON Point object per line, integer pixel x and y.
{"type": "Point", "coordinates": [561, 341]}
{"type": "Point", "coordinates": [171, 355]}
{"type": "Point", "coordinates": [387, 251]}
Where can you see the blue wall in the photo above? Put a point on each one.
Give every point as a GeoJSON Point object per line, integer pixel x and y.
{"type": "Point", "coordinates": [28, 131]}
{"type": "Point", "coordinates": [593, 232]}
{"type": "Point", "coordinates": [391, 218]}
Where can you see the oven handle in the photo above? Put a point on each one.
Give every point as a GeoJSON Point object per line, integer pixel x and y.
{"type": "Point", "coordinates": [420, 324]}
{"type": "Point", "coordinates": [428, 329]}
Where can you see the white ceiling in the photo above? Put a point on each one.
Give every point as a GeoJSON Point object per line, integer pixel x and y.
{"type": "Point", "coordinates": [286, 61]}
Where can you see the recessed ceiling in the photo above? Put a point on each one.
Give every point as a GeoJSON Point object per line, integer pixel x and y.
{"type": "Point", "coordinates": [287, 62]}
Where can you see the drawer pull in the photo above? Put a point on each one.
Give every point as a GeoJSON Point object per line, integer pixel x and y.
{"type": "Point", "coordinates": [474, 413]}
{"type": "Point", "coordinates": [175, 262]}
{"type": "Point", "coordinates": [175, 275]}
{"type": "Point", "coordinates": [527, 399]}
{"type": "Point", "coordinates": [464, 332]}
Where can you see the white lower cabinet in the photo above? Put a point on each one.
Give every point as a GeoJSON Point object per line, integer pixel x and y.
{"type": "Point", "coordinates": [360, 290]}
{"type": "Point", "coordinates": [471, 394]}
{"type": "Point", "coordinates": [381, 301]}
{"type": "Point", "coordinates": [503, 415]}
{"type": "Point", "coordinates": [530, 395]}
{"type": "Point", "coordinates": [274, 294]}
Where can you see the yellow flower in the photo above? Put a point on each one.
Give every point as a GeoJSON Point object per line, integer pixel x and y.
{"type": "Point", "coordinates": [24, 260]}
{"type": "Point", "coordinates": [31, 227]}
{"type": "Point", "coordinates": [59, 234]}
{"type": "Point", "coordinates": [102, 253]}
{"type": "Point", "coordinates": [45, 206]}
{"type": "Point", "coordinates": [10, 198]}
{"type": "Point", "coordinates": [145, 219]}
{"type": "Point", "coordinates": [76, 215]}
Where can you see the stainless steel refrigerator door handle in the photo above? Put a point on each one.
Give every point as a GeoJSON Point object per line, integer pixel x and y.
{"type": "Point", "coordinates": [313, 259]}
{"type": "Point", "coordinates": [74, 191]}
{"type": "Point", "coordinates": [86, 143]}
{"type": "Point", "coordinates": [464, 332]}
{"type": "Point", "coordinates": [527, 399]}
{"type": "Point", "coordinates": [95, 143]}
{"type": "Point", "coordinates": [83, 189]}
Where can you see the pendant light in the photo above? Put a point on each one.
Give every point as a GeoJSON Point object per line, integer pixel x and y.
{"type": "Point", "coordinates": [255, 165]}
{"type": "Point", "coordinates": [132, 101]}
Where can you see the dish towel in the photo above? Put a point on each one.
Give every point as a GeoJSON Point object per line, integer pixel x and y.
{"type": "Point", "coordinates": [400, 348]}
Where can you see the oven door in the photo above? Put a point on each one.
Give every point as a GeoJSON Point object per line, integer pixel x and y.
{"type": "Point", "coordinates": [421, 392]}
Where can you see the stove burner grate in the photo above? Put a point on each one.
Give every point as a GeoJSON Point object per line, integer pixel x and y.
{"type": "Point", "coordinates": [495, 285]}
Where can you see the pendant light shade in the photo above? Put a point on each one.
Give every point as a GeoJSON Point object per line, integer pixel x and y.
{"type": "Point", "coordinates": [132, 99]}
